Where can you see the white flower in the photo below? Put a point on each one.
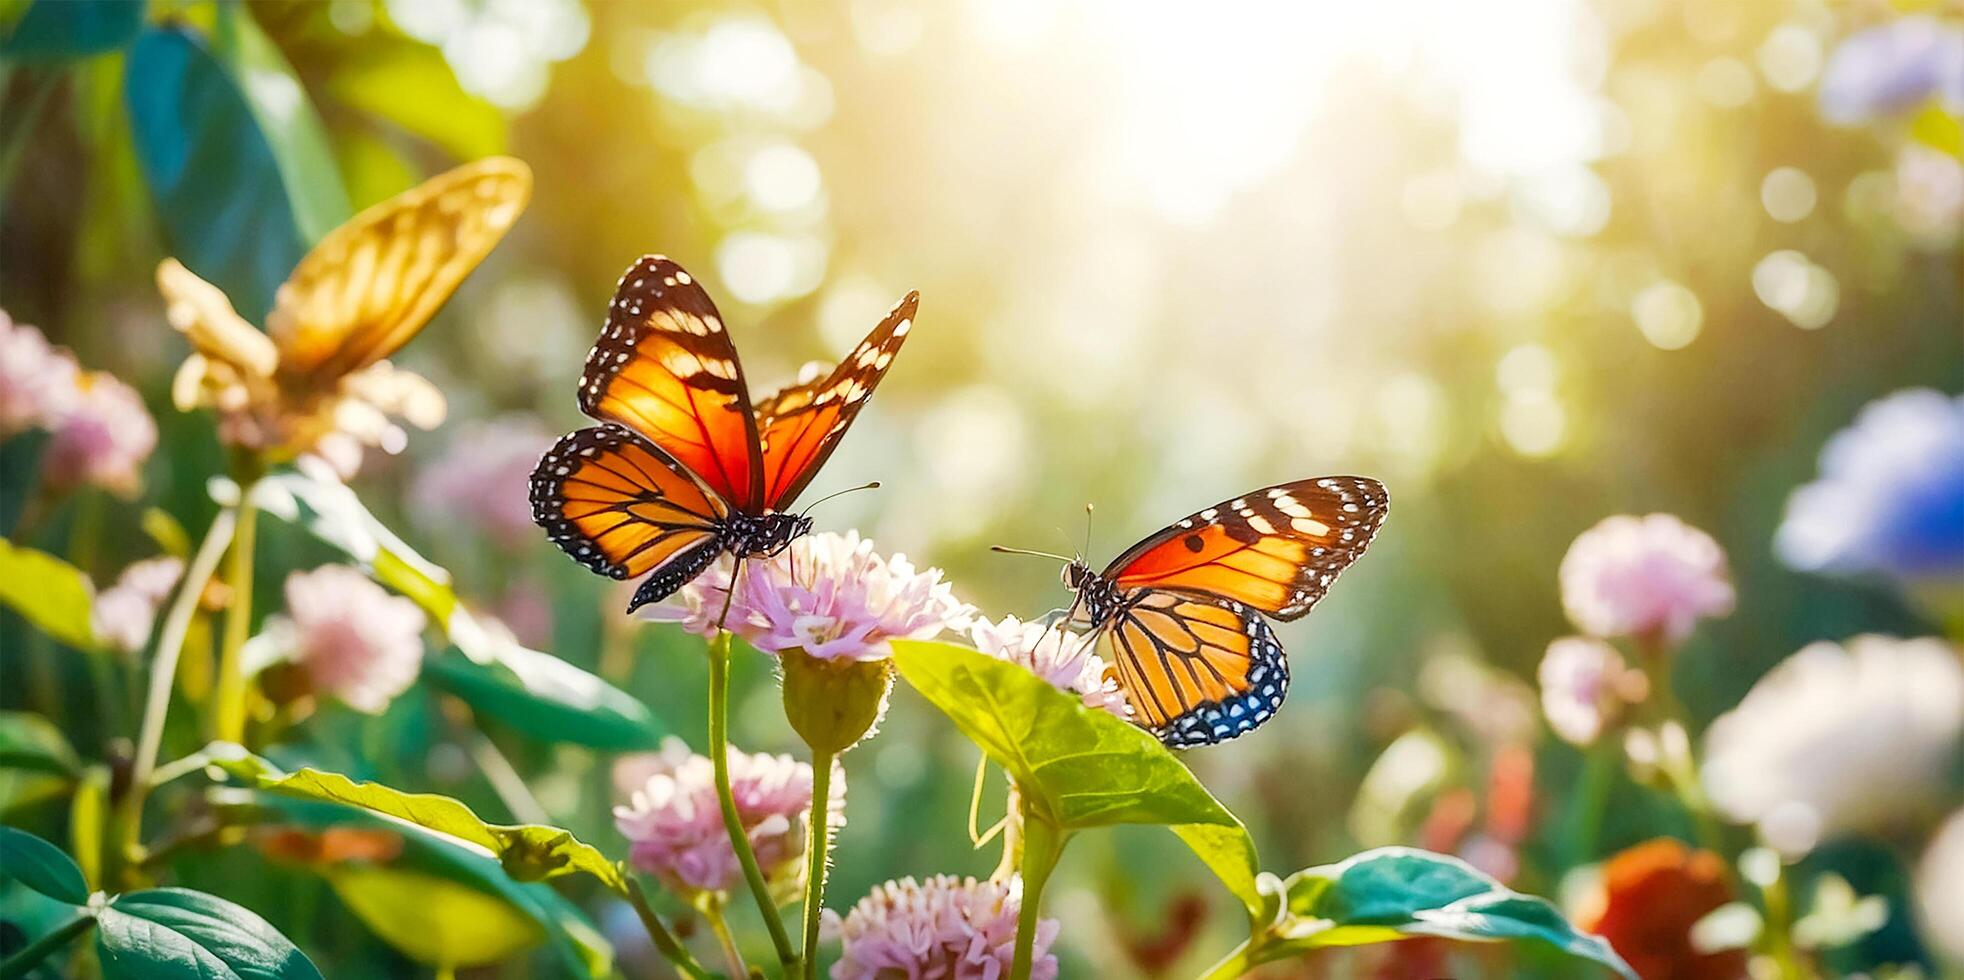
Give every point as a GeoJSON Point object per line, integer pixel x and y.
{"type": "Point", "coordinates": [37, 380]}
{"type": "Point", "coordinates": [945, 928]}
{"type": "Point", "coordinates": [1838, 738]}
{"type": "Point", "coordinates": [1940, 886]}
{"type": "Point", "coordinates": [1066, 660]}
{"type": "Point", "coordinates": [1645, 577]}
{"type": "Point", "coordinates": [355, 640]}
{"type": "Point", "coordinates": [1584, 685]}
{"type": "Point", "coordinates": [828, 594]}
{"type": "Point", "coordinates": [124, 613]}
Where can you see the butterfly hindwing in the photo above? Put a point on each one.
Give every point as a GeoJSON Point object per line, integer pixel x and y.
{"type": "Point", "coordinates": [623, 508]}
{"type": "Point", "coordinates": [1276, 549]}
{"type": "Point", "coordinates": [1197, 669]}
{"type": "Point", "coordinates": [664, 367]}
{"type": "Point", "coordinates": [801, 425]}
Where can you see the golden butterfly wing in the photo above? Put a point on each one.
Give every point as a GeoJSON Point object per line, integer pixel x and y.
{"type": "Point", "coordinates": [371, 284]}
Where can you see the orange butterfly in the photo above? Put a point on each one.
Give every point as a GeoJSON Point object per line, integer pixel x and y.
{"type": "Point", "coordinates": [683, 467]}
{"type": "Point", "coordinates": [1183, 608]}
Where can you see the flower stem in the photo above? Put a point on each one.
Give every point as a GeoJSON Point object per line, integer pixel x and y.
{"type": "Point", "coordinates": [1236, 963]}
{"type": "Point", "coordinates": [818, 849]}
{"type": "Point", "coordinates": [18, 964]}
{"type": "Point", "coordinates": [712, 911]}
{"type": "Point", "coordinates": [719, 759]}
{"type": "Point", "coordinates": [665, 941]}
{"type": "Point", "coordinates": [228, 699]}
{"type": "Point", "coordinates": [1042, 845]}
{"type": "Point", "coordinates": [1598, 778]}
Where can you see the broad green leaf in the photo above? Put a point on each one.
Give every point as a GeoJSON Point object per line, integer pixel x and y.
{"type": "Point", "coordinates": [1081, 766]}
{"type": "Point", "coordinates": [331, 512]}
{"type": "Point", "coordinates": [215, 181]}
{"type": "Point", "coordinates": [57, 30]}
{"type": "Point", "coordinates": [41, 866]}
{"type": "Point", "coordinates": [546, 698]}
{"type": "Point", "coordinates": [412, 86]}
{"type": "Point", "coordinates": [29, 741]}
{"type": "Point", "coordinates": [435, 921]}
{"type": "Point", "coordinates": [292, 128]}
{"type": "Point", "coordinates": [47, 592]}
{"type": "Point", "coordinates": [165, 933]}
{"type": "Point", "coordinates": [529, 852]}
{"type": "Point", "coordinates": [167, 533]}
{"type": "Point", "coordinates": [1396, 892]}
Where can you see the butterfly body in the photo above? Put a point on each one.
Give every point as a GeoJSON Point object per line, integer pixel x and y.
{"type": "Point", "coordinates": [1184, 609]}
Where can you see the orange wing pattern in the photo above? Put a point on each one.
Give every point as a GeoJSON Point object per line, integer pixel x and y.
{"type": "Point", "coordinates": [1197, 670]}
{"type": "Point", "coordinates": [620, 506]}
{"type": "Point", "coordinates": [371, 284]}
{"type": "Point", "coordinates": [665, 367]}
{"type": "Point", "coordinates": [1276, 549]}
{"type": "Point", "coordinates": [801, 425]}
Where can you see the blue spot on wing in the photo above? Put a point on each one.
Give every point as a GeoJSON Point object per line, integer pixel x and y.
{"type": "Point", "coordinates": [1211, 722]}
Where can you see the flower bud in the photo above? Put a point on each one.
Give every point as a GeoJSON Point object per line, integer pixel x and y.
{"type": "Point", "coordinates": [832, 704]}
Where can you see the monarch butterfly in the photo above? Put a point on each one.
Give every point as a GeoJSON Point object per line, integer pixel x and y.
{"type": "Point", "coordinates": [1184, 607]}
{"type": "Point", "coordinates": [683, 467]}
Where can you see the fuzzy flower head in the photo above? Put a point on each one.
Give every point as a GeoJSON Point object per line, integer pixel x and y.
{"type": "Point", "coordinates": [945, 928]}
{"type": "Point", "coordinates": [354, 640]}
{"type": "Point", "coordinates": [1584, 687]}
{"type": "Point", "coordinates": [1894, 67]}
{"type": "Point", "coordinates": [828, 594]}
{"type": "Point", "coordinates": [102, 440]}
{"type": "Point", "coordinates": [1068, 661]}
{"type": "Point", "coordinates": [1838, 738]}
{"type": "Point", "coordinates": [124, 613]}
{"type": "Point", "coordinates": [37, 379]}
{"type": "Point", "coordinates": [481, 479]}
{"type": "Point", "coordinates": [1890, 497]}
{"type": "Point", "coordinates": [674, 822]}
{"type": "Point", "coordinates": [1649, 577]}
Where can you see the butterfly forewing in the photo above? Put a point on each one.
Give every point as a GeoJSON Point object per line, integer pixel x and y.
{"type": "Point", "coordinates": [371, 284]}
{"type": "Point", "coordinates": [1276, 549]}
{"type": "Point", "coordinates": [664, 367]}
{"type": "Point", "coordinates": [801, 425]}
{"type": "Point", "coordinates": [1197, 669]}
{"type": "Point", "coordinates": [620, 506]}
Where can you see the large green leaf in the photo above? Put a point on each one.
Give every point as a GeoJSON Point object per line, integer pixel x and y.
{"type": "Point", "coordinates": [546, 698]}
{"type": "Point", "coordinates": [529, 852]}
{"type": "Point", "coordinates": [41, 866]}
{"type": "Point", "coordinates": [1079, 766]}
{"type": "Point", "coordinates": [216, 182]}
{"type": "Point", "coordinates": [29, 741]}
{"type": "Point", "coordinates": [165, 933]}
{"type": "Point", "coordinates": [434, 920]}
{"type": "Point", "coordinates": [1396, 892]}
{"type": "Point", "coordinates": [57, 30]}
{"type": "Point", "coordinates": [412, 86]}
{"type": "Point", "coordinates": [47, 592]}
{"type": "Point", "coordinates": [292, 128]}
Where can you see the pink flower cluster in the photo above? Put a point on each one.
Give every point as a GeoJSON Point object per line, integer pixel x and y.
{"type": "Point", "coordinates": [481, 478]}
{"type": "Point", "coordinates": [828, 594]}
{"type": "Point", "coordinates": [99, 432]}
{"type": "Point", "coordinates": [356, 642]}
{"type": "Point", "coordinates": [674, 822]}
{"type": "Point", "coordinates": [124, 613]}
{"type": "Point", "coordinates": [1651, 578]}
{"type": "Point", "coordinates": [1066, 660]}
{"type": "Point", "coordinates": [1584, 686]}
{"type": "Point", "coordinates": [945, 928]}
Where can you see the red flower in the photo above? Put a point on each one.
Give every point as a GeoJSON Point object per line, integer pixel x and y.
{"type": "Point", "coordinates": [1649, 898]}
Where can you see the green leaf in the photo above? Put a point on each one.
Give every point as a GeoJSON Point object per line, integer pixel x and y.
{"type": "Point", "coordinates": [432, 919]}
{"type": "Point", "coordinates": [547, 698]}
{"type": "Point", "coordinates": [1396, 892]}
{"type": "Point", "coordinates": [529, 852]}
{"type": "Point", "coordinates": [48, 592]}
{"type": "Point", "coordinates": [29, 741]}
{"type": "Point", "coordinates": [1079, 766]}
{"type": "Point", "coordinates": [58, 30]}
{"type": "Point", "coordinates": [164, 933]}
{"type": "Point", "coordinates": [41, 866]}
{"type": "Point", "coordinates": [216, 183]}
{"type": "Point", "coordinates": [292, 128]}
{"type": "Point", "coordinates": [331, 512]}
{"type": "Point", "coordinates": [167, 533]}
{"type": "Point", "coordinates": [412, 86]}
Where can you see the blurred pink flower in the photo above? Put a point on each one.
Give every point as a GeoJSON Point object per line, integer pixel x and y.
{"type": "Point", "coordinates": [675, 824]}
{"type": "Point", "coordinates": [828, 594]}
{"type": "Point", "coordinates": [1584, 686]}
{"type": "Point", "coordinates": [124, 613]}
{"type": "Point", "coordinates": [1650, 578]}
{"type": "Point", "coordinates": [37, 380]}
{"type": "Point", "coordinates": [1068, 661]}
{"type": "Point", "coordinates": [481, 478]}
{"type": "Point", "coordinates": [355, 640]}
{"type": "Point", "coordinates": [102, 439]}
{"type": "Point", "coordinates": [945, 928]}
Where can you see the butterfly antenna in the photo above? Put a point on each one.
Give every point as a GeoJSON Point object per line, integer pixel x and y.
{"type": "Point", "coordinates": [875, 485]}
{"type": "Point", "coordinates": [1025, 551]}
{"type": "Point", "coordinates": [1087, 528]}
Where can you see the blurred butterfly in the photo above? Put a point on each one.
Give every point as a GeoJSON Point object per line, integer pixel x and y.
{"type": "Point", "coordinates": [683, 467]}
{"type": "Point", "coordinates": [1183, 608]}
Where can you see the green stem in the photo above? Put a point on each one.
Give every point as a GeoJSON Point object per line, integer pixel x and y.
{"type": "Point", "coordinates": [719, 760]}
{"type": "Point", "coordinates": [229, 697]}
{"type": "Point", "coordinates": [1042, 845]}
{"type": "Point", "coordinates": [1236, 963]}
{"type": "Point", "coordinates": [818, 849]}
{"type": "Point", "coordinates": [18, 964]}
{"type": "Point", "coordinates": [665, 941]}
{"type": "Point", "coordinates": [1779, 927]}
{"type": "Point", "coordinates": [1598, 777]}
{"type": "Point", "coordinates": [712, 912]}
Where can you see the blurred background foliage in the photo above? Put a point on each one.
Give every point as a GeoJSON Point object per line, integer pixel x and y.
{"type": "Point", "coordinates": [1530, 262]}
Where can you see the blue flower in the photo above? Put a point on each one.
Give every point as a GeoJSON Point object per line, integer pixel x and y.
{"type": "Point", "coordinates": [1890, 497]}
{"type": "Point", "coordinates": [1894, 67]}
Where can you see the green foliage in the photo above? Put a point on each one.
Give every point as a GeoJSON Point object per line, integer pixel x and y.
{"type": "Point", "coordinates": [29, 741]}
{"type": "Point", "coordinates": [547, 698]}
{"type": "Point", "coordinates": [379, 74]}
{"type": "Point", "coordinates": [165, 933]}
{"type": "Point", "coordinates": [59, 30]}
{"type": "Point", "coordinates": [41, 866]}
{"type": "Point", "coordinates": [48, 592]}
{"type": "Point", "coordinates": [432, 919]}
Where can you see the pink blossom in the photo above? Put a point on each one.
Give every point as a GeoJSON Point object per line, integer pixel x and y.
{"type": "Point", "coordinates": [103, 439]}
{"type": "Point", "coordinates": [1068, 661]}
{"type": "Point", "coordinates": [1650, 578]}
{"type": "Point", "coordinates": [481, 479]}
{"type": "Point", "coordinates": [37, 380]}
{"type": "Point", "coordinates": [945, 928]}
{"type": "Point", "coordinates": [1584, 685]}
{"type": "Point", "coordinates": [124, 613]}
{"type": "Point", "coordinates": [828, 594]}
{"type": "Point", "coordinates": [675, 822]}
{"type": "Point", "coordinates": [355, 640]}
